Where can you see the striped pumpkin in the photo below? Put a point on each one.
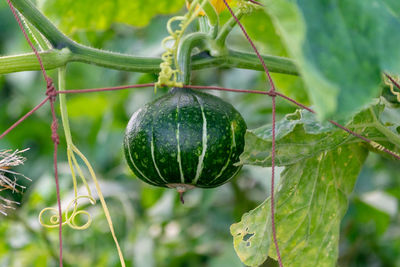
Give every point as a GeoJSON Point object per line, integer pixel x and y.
{"type": "Point", "coordinates": [185, 139]}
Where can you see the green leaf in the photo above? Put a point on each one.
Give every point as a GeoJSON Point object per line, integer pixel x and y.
{"type": "Point", "coordinates": [300, 136]}
{"type": "Point", "coordinates": [341, 47]}
{"type": "Point", "coordinates": [310, 203]}
{"type": "Point", "coordinates": [322, 164]}
{"type": "Point", "coordinates": [72, 15]}
{"type": "Point", "coordinates": [291, 86]}
{"type": "Point", "coordinates": [260, 28]}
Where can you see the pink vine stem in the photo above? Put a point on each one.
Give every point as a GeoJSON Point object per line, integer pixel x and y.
{"type": "Point", "coordinates": [51, 96]}
{"type": "Point", "coordinates": [272, 94]}
{"type": "Point", "coordinates": [12, 127]}
{"type": "Point", "coordinates": [255, 2]}
{"type": "Point", "coordinates": [197, 87]}
{"type": "Point", "coordinates": [393, 81]}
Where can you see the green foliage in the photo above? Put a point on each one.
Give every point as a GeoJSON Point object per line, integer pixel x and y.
{"type": "Point", "coordinates": [311, 201]}
{"type": "Point", "coordinates": [261, 30]}
{"type": "Point", "coordinates": [68, 15]}
{"type": "Point", "coordinates": [300, 136]}
{"type": "Point", "coordinates": [341, 47]}
{"type": "Point", "coordinates": [321, 163]}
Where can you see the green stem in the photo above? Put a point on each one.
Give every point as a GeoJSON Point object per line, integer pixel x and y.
{"type": "Point", "coordinates": [184, 54]}
{"type": "Point", "coordinates": [114, 60]}
{"type": "Point", "coordinates": [63, 105]}
{"type": "Point", "coordinates": [53, 59]}
{"type": "Point", "coordinates": [26, 62]}
{"type": "Point", "coordinates": [226, 29]}
{"type": "Point", "coordinates": [246, 60]}
{"type": "Point", "coordinates": [48, 29]}
{"type": "Point", "coordinates": [201, 39]}
{"type": "Point", "coordinates": [75, 52]}
{"type": "Point", "coordinates": [213, 19]}
{"type": "Point", "coordinates": [393, 138]}
{"type": "Point", "coordinates": [81, 52]}
{"type": "Point", "coordinates": [203, 25]}
{"type": "Point", "coordinates": [36, 36]}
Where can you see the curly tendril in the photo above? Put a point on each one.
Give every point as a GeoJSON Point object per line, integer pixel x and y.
{"type": "Point", "coordinates": [72, 154]}
{"type": "Point", "coordinates": [54, 220]}
{"type": "Point", "coordinates": [391, 86]}
{"type": "Point", "coordinates": [169, 67]}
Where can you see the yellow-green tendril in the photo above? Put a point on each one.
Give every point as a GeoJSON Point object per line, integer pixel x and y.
{"type": "Point", "coordinates": [169, 66]}
{"type": "Point", "coordinates": [69, 218]}
{"type": "Point", "coordinates": [391, 86]}
{"type": "Point", "coordinates": [72, 211]}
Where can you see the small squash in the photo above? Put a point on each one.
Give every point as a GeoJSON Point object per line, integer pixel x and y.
{"type": "Point", "coordinates": [185, 139]}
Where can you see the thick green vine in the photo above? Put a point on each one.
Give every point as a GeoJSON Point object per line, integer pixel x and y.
{"type": "Point", "coordinates": [55, 58]}
{"type": "Point", "coordinates": [66, 50]}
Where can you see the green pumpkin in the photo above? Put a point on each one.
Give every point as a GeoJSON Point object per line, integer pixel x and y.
{"type": "Point", "coordinates": [185, 139]}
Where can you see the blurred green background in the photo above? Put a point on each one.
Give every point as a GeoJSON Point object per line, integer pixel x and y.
{"type": "Point", "coordinates": [153, 228]}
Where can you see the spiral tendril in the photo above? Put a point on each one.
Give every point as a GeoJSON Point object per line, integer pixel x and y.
{"type": "Point", "coordinates": [69, 220]}
{"type": "Point", "coordinates": [169, 67]}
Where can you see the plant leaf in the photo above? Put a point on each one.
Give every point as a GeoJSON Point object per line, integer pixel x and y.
{"type": "Point", "coordinates": [341, 47]}
{"type": "Point", "coordinates": [310, 203]}
{"type": "Point", "coordinates": [72, 15]}
{"type": "Point", "coordinates": [300, 135]}
{"type": "Point", "coordinates": [261, 30]}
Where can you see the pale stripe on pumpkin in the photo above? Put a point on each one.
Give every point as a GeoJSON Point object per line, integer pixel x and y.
{"type": "Point", "coordinates": [134, 165]}
{"type": "Point", "coordinates": [154, 159]}
{"type": "Point", "coordinates": [178, 157]}
{"type": "Point", "coordinates": [204, 144]}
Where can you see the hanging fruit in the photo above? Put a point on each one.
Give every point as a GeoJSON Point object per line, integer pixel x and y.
{"type": "Point", "coordinates": [185, 139]}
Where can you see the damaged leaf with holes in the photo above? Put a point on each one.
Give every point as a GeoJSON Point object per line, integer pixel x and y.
{"type": "Point", "coordinates": [310, 204]}
{"type": "Point", "coordinates": [322, 163]}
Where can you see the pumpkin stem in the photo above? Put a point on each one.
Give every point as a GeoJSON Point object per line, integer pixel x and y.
{"type": "Point", "coordinates": [181, 188]}
{"type": "Point", "coordinates": [181, 197]}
